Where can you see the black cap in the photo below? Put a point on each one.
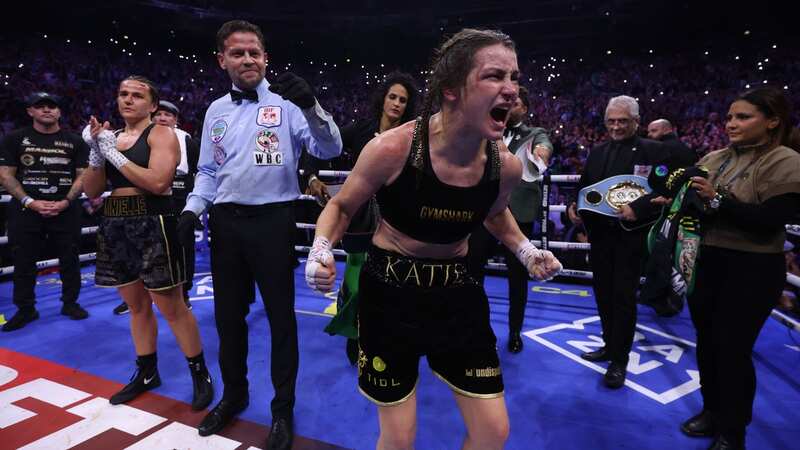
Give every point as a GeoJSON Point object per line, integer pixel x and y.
{"type": "Point", "coordinates": [168, 106]}
{"type": "Point", "coordinates": [42, 97]}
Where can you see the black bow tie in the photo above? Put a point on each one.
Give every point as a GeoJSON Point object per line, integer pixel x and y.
{"type": "Point", "coordinates": [238, 96]}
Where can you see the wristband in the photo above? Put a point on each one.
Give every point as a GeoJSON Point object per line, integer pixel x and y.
{"type": "Point", "coordinates": [311, 179]}
{"type": "Point", "coordinates": [26, 201]}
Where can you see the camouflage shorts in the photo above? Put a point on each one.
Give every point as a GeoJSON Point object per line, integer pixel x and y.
{"type": "Point", "coordinates": [136, 247]}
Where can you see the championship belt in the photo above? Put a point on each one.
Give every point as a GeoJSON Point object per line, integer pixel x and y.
{"type": "Point", "coordinates": [607, 197]}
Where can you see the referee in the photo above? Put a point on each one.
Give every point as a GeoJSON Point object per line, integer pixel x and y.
{"type": "Point", "coordinates": [41, 167]}
{"type": "Point", "coordinates": [249, 152]}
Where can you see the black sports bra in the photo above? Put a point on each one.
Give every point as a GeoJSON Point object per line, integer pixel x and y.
{"type": "Point", "coordinates": [421, 206]}
{"type": "Point", "coordinates": [138, 153]}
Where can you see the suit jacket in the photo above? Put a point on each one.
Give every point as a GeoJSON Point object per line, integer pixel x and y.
{"type": "Point", "coordinates": [634, 151]}
{"type": "Point", "coordinates": [526, 198]}
{"type": "Point", "coordinates": [680, 154]}
{"type": "Point", "coordinates": [355, 136]}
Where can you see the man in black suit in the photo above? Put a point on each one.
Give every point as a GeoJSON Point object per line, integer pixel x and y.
{"type": "Point", "coordinates": [616, 254]}
{"type": "Point", "coordinates": [680, 154]}
{"type": "Point", "coordinates": [533, 148]}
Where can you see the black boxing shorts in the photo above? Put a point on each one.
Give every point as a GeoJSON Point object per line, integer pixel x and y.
{"type": "Point", "coordinates": [413, 307]}
{"type": "Point", "coordinates": [137, 240]}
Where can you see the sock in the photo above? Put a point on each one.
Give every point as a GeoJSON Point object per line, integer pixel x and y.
{"type": "Point", "coordinates": [197, 363]}
{"type": "Point", "coordinates": [148, 363]}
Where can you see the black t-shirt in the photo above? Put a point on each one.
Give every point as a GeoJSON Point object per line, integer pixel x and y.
{"type": "Point", "coordinates": [45, 163]}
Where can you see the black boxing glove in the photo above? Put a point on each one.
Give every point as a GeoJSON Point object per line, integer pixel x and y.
{"type": "Point", "coordinates": [295, 89]}
{"type": "Point", "coordinates": [187, 223]}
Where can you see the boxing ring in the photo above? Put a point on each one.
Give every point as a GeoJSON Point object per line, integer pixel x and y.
{"type": "Point", "coordinates": [543, 242]}
{"type": "Point", "coordinates": [554, 400]}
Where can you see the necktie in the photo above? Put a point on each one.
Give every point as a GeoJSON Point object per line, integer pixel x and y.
{"type": "Point", "coordinates": [238, 96]}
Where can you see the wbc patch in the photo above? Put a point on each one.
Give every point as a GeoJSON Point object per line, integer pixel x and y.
{"type": "Point", "coordinates": [218, 130]}
{"type": "Point", "coordinates": [267, 141]}
{"type": "Point", "coordinates": [269, 116]}
{"type": "Point", "coordinates": [267, 153]}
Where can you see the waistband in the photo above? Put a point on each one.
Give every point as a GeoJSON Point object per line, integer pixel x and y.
{"type": "Point", "coordinates": [252, 210]}
{"type": "Point", "coordinates": [137, 205]}
{"type": "Point", "coordinates": [399, 270]}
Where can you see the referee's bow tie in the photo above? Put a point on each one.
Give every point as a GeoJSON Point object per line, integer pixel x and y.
{"type": "Point", "coordinates": [238, 96]}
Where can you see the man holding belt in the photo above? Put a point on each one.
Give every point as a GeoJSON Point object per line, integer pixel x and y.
{"type": "Point", "coordinates": [618, 244]}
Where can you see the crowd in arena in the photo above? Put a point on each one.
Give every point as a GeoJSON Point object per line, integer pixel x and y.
{"type": "Point", "coordinates": [692, 89]}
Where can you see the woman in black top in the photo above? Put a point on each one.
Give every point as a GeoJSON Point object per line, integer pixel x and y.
{"type": "Point", "coordinates": [137, 247]}
{"type": "Point", "coordinates": [436, 180]}
{"type": "Point", "coordinates": [393, 103]}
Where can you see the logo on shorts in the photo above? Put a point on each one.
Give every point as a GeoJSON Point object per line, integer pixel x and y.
{"type": "Point", "coordinates": [219, 154]}
{"type": "Point", "coordinates": [267, 141]}
{"type": "Point", "coordinates": [27, 159]}
{"type": "Point", "coordinates": [269, 116]}
{"type": "Point", "coordinates": [378, 364]}
{"type": "Point", "coordinates": [362, 359]}
{"type": "Point", "coordinates": [661, 170]}
{"type": "Point", "coordinates": [483, 372]}
{"type": "Point", "coordinates": [218, 130]}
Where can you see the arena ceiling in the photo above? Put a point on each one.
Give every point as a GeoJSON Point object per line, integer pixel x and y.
{"type": "Point", "coordinates": [375, 25]}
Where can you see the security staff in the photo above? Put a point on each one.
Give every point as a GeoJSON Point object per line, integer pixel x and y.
{"type": "Point", "coordinates": [182, 184]}
{"type": "Point", "coordinates": [41, 167]}
{"type": "Point", "coordinates": [680, 153]}
{"type": "Point", "coordinates": [618, 243]}
{"type": "Point", "coordinates": [532, 146]}
{"type": "Point", "coordinates": [247, 174]}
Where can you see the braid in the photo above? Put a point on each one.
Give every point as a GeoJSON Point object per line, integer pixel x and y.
{"type": "Point", "coordinates": [427, 111]}
{"type": "Point", "coordinates": [424, 118]}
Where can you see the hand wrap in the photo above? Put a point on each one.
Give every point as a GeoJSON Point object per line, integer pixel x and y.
{"type": "Point", "coordinates": [320, 257]}
{"type": "Point", "coordinates": [107, 143]}
{"type": "Point", "coordinates": [96, 159]}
